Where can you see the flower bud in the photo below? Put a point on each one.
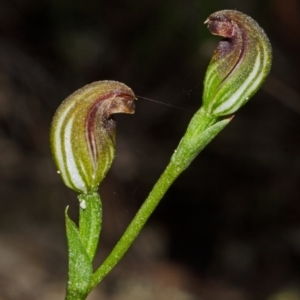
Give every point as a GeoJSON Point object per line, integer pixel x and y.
{"type": "Point", "coordinates": [83, 133]}
{"type": "Point", "coordinates": [239, 65]}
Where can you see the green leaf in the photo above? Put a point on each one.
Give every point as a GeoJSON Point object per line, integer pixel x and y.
{"type": "Point", "coordinates": [80, 265]}
{"type": "Point", "coordinates": [202, 129]}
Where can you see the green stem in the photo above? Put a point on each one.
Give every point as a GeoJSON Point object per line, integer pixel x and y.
{"type": "Point", "coordinates": [74, 296]}
{"type": "Point", "coordinates": [90, 221]}
{"type": "Point", "coordinates": [201, 130]}
{"type": "Point", "coordinates": [82, 245]}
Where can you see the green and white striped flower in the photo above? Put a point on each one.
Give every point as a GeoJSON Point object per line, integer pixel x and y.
{"type": "Point", "coordinates": [83, 133]}
{"type": "Point", "coordinates": [239, 65]}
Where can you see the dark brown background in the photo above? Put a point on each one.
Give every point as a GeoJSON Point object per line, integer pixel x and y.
{"type": "Point", "coordinates": [229, 228]}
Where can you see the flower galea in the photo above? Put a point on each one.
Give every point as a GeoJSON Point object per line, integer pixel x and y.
{"type": "Point", "coordinates": [83, 132]}
{"type": "Point", "coordinates": [240, 63]}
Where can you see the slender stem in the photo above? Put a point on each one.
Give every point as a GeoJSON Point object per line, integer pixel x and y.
{"type": "Point", "coordinates": [201, 130]}
{"type": "Point", "coordinates": [136, 224]}
{"type": "Point", "coordinates": [90, 221]}
{"type": "Point", "coordinates": [74, 296]}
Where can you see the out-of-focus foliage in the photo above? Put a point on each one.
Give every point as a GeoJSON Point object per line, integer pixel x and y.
{"type": "Point", "coordinates": [247, 236]}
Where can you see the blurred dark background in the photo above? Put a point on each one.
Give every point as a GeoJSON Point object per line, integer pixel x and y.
{"type": "Point", "coordinates": [228, 229]}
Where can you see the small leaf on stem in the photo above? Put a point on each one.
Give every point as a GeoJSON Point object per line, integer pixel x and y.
{"type": "Point", "coordinates": [80, 265]}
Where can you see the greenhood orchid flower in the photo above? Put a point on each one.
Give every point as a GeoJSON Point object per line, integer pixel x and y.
{"type": "Point", "coordinates": [83, 133]}
{"type": "Point", "coordinates": [239, 65]}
